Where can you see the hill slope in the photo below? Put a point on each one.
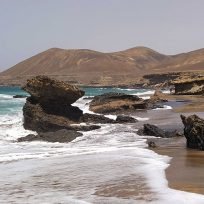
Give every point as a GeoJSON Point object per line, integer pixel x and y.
{"type": "Point", "coordinates": [90, 67]}
{"type": "Point", "coordinates": [191, 61]}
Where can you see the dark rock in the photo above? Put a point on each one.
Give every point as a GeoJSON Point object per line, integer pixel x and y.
{"type": "Point", "coordinates": [50, 91]}
{"type": "Point", "coordinates": [36, 119]}
{"type": "Point", "coordinates": [84, 127]}
{"type": "Point", "coordinates": [125, 119]}
{"type": "Point", "coordinates": [49, 106]}
{"type": "Point", "coordinates": [151, 144]}
{"type": "Point", "coordinates": [19, 96]}
{"type": "Point", "coordinates": [115, 102]}
{"type": "Point", "coordinates": [153, 130]}
{"type": "Point", "coordinates": [93, 118]}
{"type": "Point", "coordinates": [193, 131]}
{"type": "Point", "coordinates": [156, 100]}
{"type": "Point", "coordinates": [57, 136]}
{"type": "Point", "coordinates": [71, 112]}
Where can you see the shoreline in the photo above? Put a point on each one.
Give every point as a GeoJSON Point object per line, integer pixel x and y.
{"type": "Point", "coordinates": [185, 171]}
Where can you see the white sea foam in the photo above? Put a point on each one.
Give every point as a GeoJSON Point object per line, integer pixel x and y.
{"type": "Point", "coordinates": [111, 116]}
{"type": "Point", "coordinates": [151, 92]}
{"type": "Point", "coordinates": [145, 97]}
{"type": "Point", "coordinates": [166, 91]}
{"type": "Point", "coordinates": [156, 164]}
{"type": "Point", "coordinates": [11, 127]}
{"type": "Point", "coordinates": [140, 118]}
{"type": "Point", "coordinates": [165, 107]}
{"type": "Point", "coordinates": [4, 96]}
{"type": "Point", "coordinates": [83, 105]}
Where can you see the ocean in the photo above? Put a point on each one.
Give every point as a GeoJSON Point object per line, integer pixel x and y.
{"type": "Point", "coordinates": [110, 165]}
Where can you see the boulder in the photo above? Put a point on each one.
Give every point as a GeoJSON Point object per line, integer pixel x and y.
{"type": "Point", "coordinates": [125, 119]}
{"type": "Point", "coordinates": [116, 102]}
{"type": "Point", "coordinates": [48, 91]}
{"type": "Point", "coordinates": [19, 96]}
{"type": "Point", "coordinates": [93, 118]}
{"type": "Point", "coordinates": [57, 136]}
{"type": "Point", "coordinates": [153, 130]}
{"type": "Point", "coordinates": [158, 96]}
{"type": "Point", "coordinates": [193, 131]}
{"type": "Point", "coordinates": [151, 144]}
{"type": "Point", "coordinates": [49, 106]}
{"type": "Point", "coordinates": [36, 119]}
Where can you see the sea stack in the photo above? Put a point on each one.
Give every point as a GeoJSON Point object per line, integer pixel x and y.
{"type": "Point", "coordinates": [49, 106]}
{"type": "Point", "coordinates": [194, 131]}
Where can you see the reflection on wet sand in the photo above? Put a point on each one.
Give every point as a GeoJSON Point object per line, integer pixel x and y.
{"type": "Point", "coordinates": [186, 169]}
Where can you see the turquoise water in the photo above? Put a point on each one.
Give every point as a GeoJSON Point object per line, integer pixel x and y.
{"type": "Point", "coordinates": [10, 105]}
{"type": "Point", "coordinates": [88, 91]}
{"type": "Point", "coordinates": [99, 91]}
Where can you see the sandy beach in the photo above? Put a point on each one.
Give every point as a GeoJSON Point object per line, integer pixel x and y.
{"type": "Point", "coordinates": [185, 171]}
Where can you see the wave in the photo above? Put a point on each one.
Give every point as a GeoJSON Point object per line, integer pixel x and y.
{"type": "Point", "coordinates": [165, 107]}
{"type": "Point", "coordinates": [4, 96]}
{"type": "Point", "coordinates": [11, 127]}
{"type": "Point", "coordinates": [151, 92]}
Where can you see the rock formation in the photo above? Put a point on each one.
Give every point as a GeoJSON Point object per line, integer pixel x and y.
{"type": "Point", "coordinates": [158, 96]}
{"type": "Point", "coordinates": [49, 106]}
{"type": "Point", "coordinates": [153, 130]}
{"type": "Point", "coordinates": [56, 136]}
{"type": "Point", "coordinates": [193, 131]}
{"type": "Point", "coordinates": [116, 102]}
{"type": "Point", "coordinates": [120, 102]}
{"type": "Point", "coordinates": [189, 86]}
{"type": "Point", "coordinates": [49, 109]}
{"type": "Point", "coordinates": [125, 119]}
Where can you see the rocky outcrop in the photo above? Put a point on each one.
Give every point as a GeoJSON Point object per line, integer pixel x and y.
{"type": "Point", "coordinates": [36, 119]}
{"type": "Point", "coordinates": [93, 118]}
{"type": "Point", "coordinates": [49, 106]}
{"type": "Point", "coordinates": [45, 90]}
{"type": "Point", "coordinates": [116, 102]}
{"type": "Point", "coordinates": [125, 119]}
{"type": "Point", "coordinates": [158, 97]}
{"type": "Point", "coordinates": [193, 131]}
{"type": "Point", "coordinates": [120, 103]}
{"type": "Point", "coordinates": [189, 86]}
{"type": "Point", "coordinates": [153, 130]}
{"type": "Point", "coordinates": [57, 136]}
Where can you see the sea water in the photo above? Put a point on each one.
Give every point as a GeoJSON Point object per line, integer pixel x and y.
{"type": "Point", "coordinates": [109, 165]}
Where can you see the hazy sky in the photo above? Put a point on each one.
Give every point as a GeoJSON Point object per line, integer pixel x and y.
{"type": "Point", "coordinates": [28, 27]}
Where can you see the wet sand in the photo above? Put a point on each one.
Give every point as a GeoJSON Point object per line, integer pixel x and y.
{"type": "Point", "coordinates": [185, 171]}
{"type": "Point", "coordinates": [186, 167]}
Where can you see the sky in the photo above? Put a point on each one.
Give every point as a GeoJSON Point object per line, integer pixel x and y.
{"type": "Point", "coordinates": [28, 27]}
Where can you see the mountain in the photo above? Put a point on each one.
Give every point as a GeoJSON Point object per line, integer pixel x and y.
{"type": "Point", "coordinates": [82, 66]}
{"type": "Point", "coordinates": [188, 62]}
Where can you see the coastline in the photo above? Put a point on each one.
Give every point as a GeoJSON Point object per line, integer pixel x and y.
{"type": "Point", "coordinates": [185, 171]}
